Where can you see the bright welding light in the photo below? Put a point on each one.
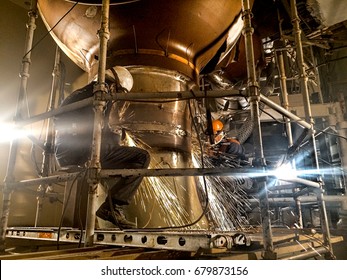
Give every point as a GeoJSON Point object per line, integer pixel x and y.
{"type": "Point", "coordinates": [130, 141]}
{"type": "Point", "coordinates": [9, 132]}
{"type": "Point", "coordinates": [285, 171]}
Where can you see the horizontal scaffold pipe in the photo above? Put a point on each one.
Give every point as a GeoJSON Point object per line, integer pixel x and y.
{"type": "Point", "coordinates": [134, 96]}
{"type": "Point", "coordinates": [55, 112]}
{"type": "Point", "coordinates": [303, 182]}
{"type": "Point", "coordinates": [176, 95]}
{"type": "Point", "coordinates": [304, 199]}
{"type": "Point", "coordinates": [216, 171]}
{"type": "Point", "coordinates": [285, 112]}
{"type": "Point", "coordinates": [314, 252]}
{"type": "Point", "coordinates": [105, 173]}
{"type": "Point", "coordinates": [161, 172]}
{"type": "Point", "coordinates": [45, 180]}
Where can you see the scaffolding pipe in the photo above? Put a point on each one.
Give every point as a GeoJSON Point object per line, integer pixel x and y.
{"type": "Point", "coordinates": [316, 73]}
{"type": "Point", "coordinates": [284, 92]}
{"type": "Point", "coordinates": [24, 74]}
{"type": "Point", "coordinates": [100, 93]}
{"type": "Point", "coordinates": [341, 127]}
{"type": "Point", "coordinates": [49, 140]}
{"type": "Point", "coordinates": [298, 205]}
{"type": "Point", "coordinates": [174, 96]}
{"type": "Point", "coordinates": [304, 199]}
{"type": "Point", "coordinates": [45, 180]}
{"type": "Point", "coordinates": [314, 252]}
{"type": "Point", "coordinates": [177, 95]}
{"type": "Point", "coordinates": [301, 62]}
{"type": "Point", "coordinates": [285, 112]}
{"type": "Point", "coordinates": [308, 114]}
{"type": "Point", "coordinates": [302, 181]}
{"type": "Point", "coordinates": [134, 96]}
{"type": "Point", "coordinates": [161, 172]}
{"type": "Point", "coordinates": [58, 111]}
{"type": "Point", "coordinates": [254, 95]}
{"type": "Point", "coordinates": [165, 172]}
{"type": "Point", "coordinates": [48, 153]}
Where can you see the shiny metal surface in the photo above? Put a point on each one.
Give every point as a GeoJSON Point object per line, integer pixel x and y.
{"type": "Point", "coordinates": [176, 34]}
{"type": "Point", "coordinates": [164, 45]}
{"type": "Point", "coordinates": [162, 124]}
{"type": "Point", "coordinates": [164, 129]}
{"type": "Point", "coordinates": [236, 68]}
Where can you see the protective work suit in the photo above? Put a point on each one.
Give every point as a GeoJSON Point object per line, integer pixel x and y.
{"type": "Point", "coordinates": [225, 145]}
{"type": "Point", "coordinates": [74, 133]}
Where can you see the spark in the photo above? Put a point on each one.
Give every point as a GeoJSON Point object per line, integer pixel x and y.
{"type": "Point", "coordinates": [160, 196]}
{"type": "Point", "coordinates": [228, 199]}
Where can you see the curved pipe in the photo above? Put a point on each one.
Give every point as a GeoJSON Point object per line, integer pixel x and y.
{"type": "Point", "coordinates": [247, 128]}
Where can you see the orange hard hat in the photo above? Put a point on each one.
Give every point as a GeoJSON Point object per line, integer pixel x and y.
{"type": "Point", "coordinates": [217, 126]}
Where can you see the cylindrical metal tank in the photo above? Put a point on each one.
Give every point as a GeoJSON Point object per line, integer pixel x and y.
{"type": "Point", "coordinates": [165, 125]}
{"type": "Point", "coordinates": [165, 131]}
{"type": "Point", "coordinates": [173, 34]}
{"type": "Point", "coordinates": [164, 45]}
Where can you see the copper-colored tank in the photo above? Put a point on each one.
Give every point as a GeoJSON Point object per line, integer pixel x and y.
{"type": "Point", "coordinates": [164, 45]}
{"type": "Point", "coordinates": [173, 34]}
{"type": "Point", "coordinates": [236, 69]}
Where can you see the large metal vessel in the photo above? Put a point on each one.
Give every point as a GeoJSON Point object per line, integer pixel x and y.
{"type": "Point", "coordinates": [165, 45]}
{"type": "Point", "coordinates": [176, 34]}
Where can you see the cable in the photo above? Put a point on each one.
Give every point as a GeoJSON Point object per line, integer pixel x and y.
{"type": "Point", "coordinates": [44, 36]}
{"type": "Point", "coordinates": [330, 133]}
{"type": "Point", "coordinates": [205, 209]}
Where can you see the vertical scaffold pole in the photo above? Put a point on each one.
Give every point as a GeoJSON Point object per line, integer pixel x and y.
{"type": "Point", "coordinates": [283, 83]}
{"type": "Point", "coordinates": [24, 75]}
{"type": "Point", "coordinates": [100, 92]}
{"type": "Point", "coordinates": [48, 153]}
{"type": "Point", "coordinates": [309, 118]}
{"type": "Point", "coordinates": [254, 95]}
